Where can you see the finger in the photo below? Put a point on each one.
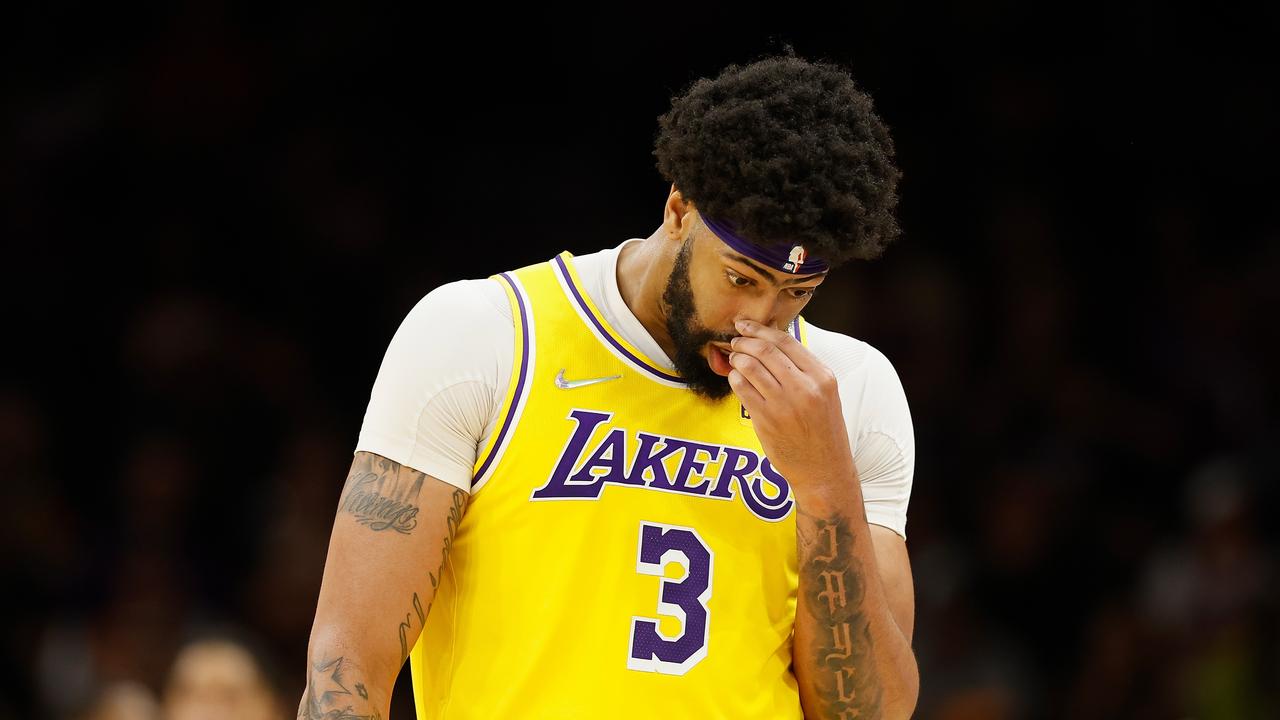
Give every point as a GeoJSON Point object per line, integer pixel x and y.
{"type": "Point", "coordinates": [756, 373]}
{"type": "Point", "coordinates": [776, 361]}
{"type": "Point", "coordinates": [793, 348]}
{"type": "Point", "coordinates": [750, 398]}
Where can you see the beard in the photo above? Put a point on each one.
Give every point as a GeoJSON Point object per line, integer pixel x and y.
{"type": "Point", "coordinates": [689, 336]}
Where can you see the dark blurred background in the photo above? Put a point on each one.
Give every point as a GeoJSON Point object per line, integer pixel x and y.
{"type": "Point", "coordinates": [215, 217]}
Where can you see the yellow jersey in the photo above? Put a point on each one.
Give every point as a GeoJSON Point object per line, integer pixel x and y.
{"type": "Point", "coordinates": [628, 550]}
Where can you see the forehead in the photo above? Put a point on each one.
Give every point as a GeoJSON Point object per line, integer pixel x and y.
{"type": "Point", "coordinates": [212, 663]}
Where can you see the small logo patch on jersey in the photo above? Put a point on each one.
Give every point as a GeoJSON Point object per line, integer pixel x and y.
{"type": "Point", "coordinates": [571, 384]}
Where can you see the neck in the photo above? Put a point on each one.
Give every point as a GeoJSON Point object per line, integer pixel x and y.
{"type": "Point", "coordinates": [643, 269]}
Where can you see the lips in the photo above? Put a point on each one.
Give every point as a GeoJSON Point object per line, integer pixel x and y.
{"type": "Point", "coordinates": [718, 359]}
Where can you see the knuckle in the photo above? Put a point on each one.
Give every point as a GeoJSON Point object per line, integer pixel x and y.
{"type": "Point", "coordinates": [826, 381]}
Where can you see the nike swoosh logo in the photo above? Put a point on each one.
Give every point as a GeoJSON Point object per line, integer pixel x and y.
{"type": "Point", "coordinates": [571, 384]}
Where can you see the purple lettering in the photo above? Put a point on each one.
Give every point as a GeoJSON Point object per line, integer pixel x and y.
{"type": "Point", "coordinates": [653, 450]}
{"type": "Point", "coordinates": [763, 489]}
{"type": "Point", "coordinates": [558, 485]}
{"type": "Point", "coordinates": [730, 469]}
{"type": "Point", "coordinates": [770, 508]}
{"type": "Point", "coordinates": [690, 464]}
{"type": "Point", "coordinates": [610, 455]}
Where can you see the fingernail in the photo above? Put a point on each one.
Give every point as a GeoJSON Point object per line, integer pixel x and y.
{"type": "Point", "coordinates": [740, 324]}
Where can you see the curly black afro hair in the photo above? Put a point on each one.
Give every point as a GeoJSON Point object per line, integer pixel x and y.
{"type": "Point", "coordinates": [789, 151]}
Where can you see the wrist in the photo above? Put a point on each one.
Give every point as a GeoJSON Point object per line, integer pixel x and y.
{"type": "Point", "coordinates": [826, 491]}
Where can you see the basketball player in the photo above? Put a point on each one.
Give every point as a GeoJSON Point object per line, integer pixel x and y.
{"type": "Point", "coordinates": [636, 483]}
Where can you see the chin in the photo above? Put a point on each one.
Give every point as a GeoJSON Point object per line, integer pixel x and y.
{"type": "Point", "coordinates": [713, 392]}
{"type": "Point", "coordinates": [710, 385]}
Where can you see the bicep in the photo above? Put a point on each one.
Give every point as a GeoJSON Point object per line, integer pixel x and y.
{"type": "Point", "coordinates": [391, 536]}
{"type": "Point", "coordinates": [894, 565]}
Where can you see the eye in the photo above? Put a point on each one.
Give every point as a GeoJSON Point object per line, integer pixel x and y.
{"type": "Point", "coordinates": [738, 280]}
{"type": "Point", "coordinates": [801, 293]}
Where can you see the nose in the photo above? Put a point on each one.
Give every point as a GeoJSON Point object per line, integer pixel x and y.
{"type": "Point", "coordinates": [763, 310]}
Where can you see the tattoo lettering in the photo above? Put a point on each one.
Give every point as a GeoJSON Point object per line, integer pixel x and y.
{"type": "Point", "coordinates": [457, 507]}
{"type": "Point", "coordinates": [383, 495]}
{"type": "Point", "coordinates": [829, 532]}
{"type": "Point", "coordinates": [406, 626]}
{"type": "Point", "coordinates": [841, 695]}
{"type": "Point", "coordinates": [831, 578]}
{"type": "Point", "coordinates": [327, 696]}
{"type": "Point", "coordinates": [840, 642]}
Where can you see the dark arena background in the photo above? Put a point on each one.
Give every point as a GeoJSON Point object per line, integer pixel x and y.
{"type": "Point", "coordinates": [215, 218]}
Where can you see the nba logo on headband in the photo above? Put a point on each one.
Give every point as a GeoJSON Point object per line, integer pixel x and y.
{"type": "Point", "coordinates": [795, 259]}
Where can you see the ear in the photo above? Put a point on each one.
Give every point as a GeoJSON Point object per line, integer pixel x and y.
{"type": "Point", "coordinates": [677, 216]}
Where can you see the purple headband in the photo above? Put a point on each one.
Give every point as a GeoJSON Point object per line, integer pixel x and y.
{"type": "Point", "coordinates": [786, 257]}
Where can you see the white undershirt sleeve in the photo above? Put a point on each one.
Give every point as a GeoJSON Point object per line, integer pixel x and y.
{"type": "Point", "coordinates": [885, 452]}
{"type": "Point", "coordinates": [442, 379]}
{"type": "Point", "coordinates": [878, 421]}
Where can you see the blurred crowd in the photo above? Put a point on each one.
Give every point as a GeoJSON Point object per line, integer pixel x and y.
{"type": "Point", "coordinates": [218, 224]}
{"type": "Point", "coordinates": [215, 676]}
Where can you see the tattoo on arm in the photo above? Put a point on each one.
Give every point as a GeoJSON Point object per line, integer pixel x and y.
{"type": "Point", "coordinates": [406, 626]}
{"type": "Point", "coordinates": [382, 495]}
{"type": "Point", "coordinates": [329, 693]}
{"type": "Point", "coordinates": [457, 507]}
{"type": "Point", "coordinates": [847, 683]}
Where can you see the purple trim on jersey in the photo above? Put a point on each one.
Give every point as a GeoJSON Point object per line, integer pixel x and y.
{"type": "Point", "coordinates": [586, 310]}
{"type": "Point", "coordinates": [795, 328]}
{"type": "Point", "coordinates": [776, 256]}
{"type": "Point", "coordinates": [524, 371]}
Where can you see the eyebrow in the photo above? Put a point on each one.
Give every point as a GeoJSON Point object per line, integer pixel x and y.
{"type": "Point", "coordinates": [768, 275]}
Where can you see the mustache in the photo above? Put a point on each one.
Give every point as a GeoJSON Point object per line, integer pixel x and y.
{"type": "Point", "coordinates": [702, 336]}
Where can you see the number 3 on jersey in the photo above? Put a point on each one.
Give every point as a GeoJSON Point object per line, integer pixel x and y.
{"type": "Point", "coordinates": [652, 650]}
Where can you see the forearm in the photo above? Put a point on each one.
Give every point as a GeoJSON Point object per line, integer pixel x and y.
{"type": "Point", "coordinates": [342, 683]}
{"type": "Point", "coordinates": [851, 658]}
{"type": "Point", "coordinates": [392, 522]}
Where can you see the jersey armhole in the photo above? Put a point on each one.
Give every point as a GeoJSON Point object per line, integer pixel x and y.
{"type": "Point", "coordinates": [800, 330]}
{"type": "Point", "coordinates": [517, 388]}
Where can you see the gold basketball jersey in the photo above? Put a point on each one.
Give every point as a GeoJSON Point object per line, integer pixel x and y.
{"type": "Point", "coordinates": [628, 551]}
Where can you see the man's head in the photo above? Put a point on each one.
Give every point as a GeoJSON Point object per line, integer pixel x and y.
{"type": "Point", "coordinates": [711, 285]}
{"type": "Point", "coordinates": [221, 675]}
{"type": "Point", "coordinates": [789, 154]}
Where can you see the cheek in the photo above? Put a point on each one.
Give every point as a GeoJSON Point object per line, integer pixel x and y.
{"type": "Point", "coordinates": [718, 311]}
{"type": "Point", "coordinates": [715, 304]}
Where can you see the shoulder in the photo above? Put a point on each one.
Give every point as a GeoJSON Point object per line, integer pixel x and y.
{"type": "Point", "coordinates": [849, 358]}
{"type": "Point", "coordinates": [463, 301]}
{"type": "Point", "coordinates": [461, 330]}
{"type": "Point", "coordinates": [458, 319]}
{"type": "Point", "coordinates": [437, 390]}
